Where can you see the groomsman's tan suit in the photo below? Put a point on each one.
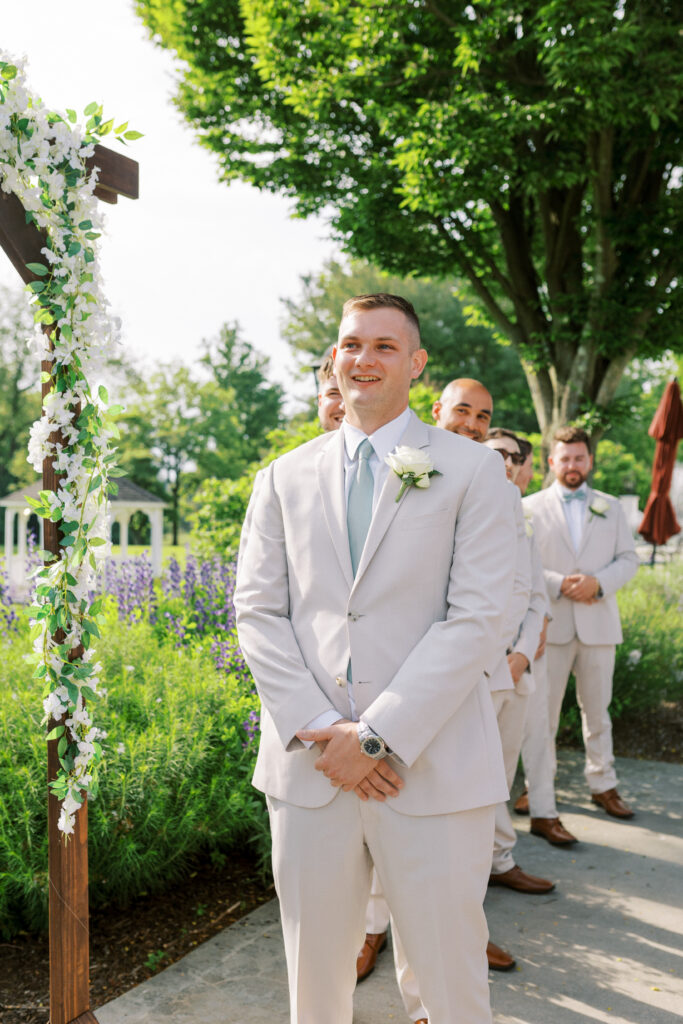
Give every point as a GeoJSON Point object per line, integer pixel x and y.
{"type": "Point", "coordinates": [582, 637]}
{"type": "Point", "coordinates": [420, 625]}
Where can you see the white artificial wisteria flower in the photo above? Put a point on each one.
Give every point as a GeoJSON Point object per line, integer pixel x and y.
{"type": "Point", "coordinates": [43, 163]}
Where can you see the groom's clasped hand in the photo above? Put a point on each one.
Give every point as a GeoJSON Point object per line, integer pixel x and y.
{"type": "Point", "coordinates": [346, 766]}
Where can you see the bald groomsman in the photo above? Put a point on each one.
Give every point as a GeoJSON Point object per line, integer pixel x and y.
{"type": "Point", "coordinates": [588, 554]}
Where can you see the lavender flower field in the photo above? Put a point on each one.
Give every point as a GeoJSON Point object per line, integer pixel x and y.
{"type": "Point", "coordinates": [181, 716]}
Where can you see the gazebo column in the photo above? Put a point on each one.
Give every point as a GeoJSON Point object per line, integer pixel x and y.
{"type": "Point", "coordinates": [21, 539]}
{"type": "Point", "coordinates": [123, 518]}
{"type": "Point", "coordinates": [9, 538]}
{"type": "Point", "coordinates": [156, 519]}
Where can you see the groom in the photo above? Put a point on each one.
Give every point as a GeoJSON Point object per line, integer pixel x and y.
{"type": "Point", "coordinates": [369, 614]}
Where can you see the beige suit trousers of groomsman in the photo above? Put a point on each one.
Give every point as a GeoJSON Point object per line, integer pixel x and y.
{"type": "Point", "coordinates": [418, 622]}
{"type": "Point", "coordinates": [592, 665]}
{"type": "Point", "coordinates": [538, 747]}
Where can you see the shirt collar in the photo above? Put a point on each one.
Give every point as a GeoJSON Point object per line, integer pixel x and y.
{"type": "Point", "coordinates": [384, 440]}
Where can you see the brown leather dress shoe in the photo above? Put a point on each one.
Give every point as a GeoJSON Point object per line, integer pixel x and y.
{"type": "Point", "coordinates": [517, 879]}
{"type": "Point", "coordinates": [521, 805]}
{"type": "Point", "coordinates": [553, 830]}
{"type": "Point", "coordinates": [612, 803]}
{"type": "Point", "coordinates": [422, 1020]}
{"type": "Point", "coordinates": [367, 958]}
{"type": "Point", "coordinates": [498, 959]}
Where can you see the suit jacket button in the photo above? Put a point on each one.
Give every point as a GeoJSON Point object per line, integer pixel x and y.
{"type": "Point", "coordinates": [340, 680]}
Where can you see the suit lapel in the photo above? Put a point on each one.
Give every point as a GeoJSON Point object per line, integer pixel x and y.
{"type": "Point", "coordinates": [416, 436]}
{"type": "Point", "coordinates": [588, 520]}
{"type": "Point", "coordinates": [330, 468]}
{"type": "Point", "coordinates": [557, 510]}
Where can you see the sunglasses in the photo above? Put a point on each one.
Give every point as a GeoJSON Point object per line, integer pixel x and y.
{"type": "Point", "coordinates": [516, 458]}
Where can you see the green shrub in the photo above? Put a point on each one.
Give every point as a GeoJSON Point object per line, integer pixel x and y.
{"type": "Point", "coordinates": [219, 506]}
{"type": "Point", "coordinates": [176, 783]}
{"type": "Point", "coordinates": [649, 663]}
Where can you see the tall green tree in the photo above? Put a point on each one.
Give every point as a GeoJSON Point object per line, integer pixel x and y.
{"type": "Point", "coordinates": [456, 348]}
{"type": "Point", "coordinates": [238, 382]}
{"type": "Point", "coordinates": [531, 148]}
{"type": "Point", "coordinates": [162, 436]}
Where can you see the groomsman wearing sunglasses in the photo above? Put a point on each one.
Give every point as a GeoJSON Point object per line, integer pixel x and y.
{"type": "Point", "coordinates": [588, 554]}
{"type": "Point", "coordinates": [511, 703]}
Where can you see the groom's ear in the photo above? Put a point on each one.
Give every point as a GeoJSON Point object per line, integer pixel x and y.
{"type": "Point", "coordinates": [419, 360]}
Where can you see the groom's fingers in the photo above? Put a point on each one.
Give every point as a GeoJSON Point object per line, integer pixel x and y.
{"type": "Point", "coordinates": [367, 791]}
{"type": "Point", "coordinates": [389, 777]}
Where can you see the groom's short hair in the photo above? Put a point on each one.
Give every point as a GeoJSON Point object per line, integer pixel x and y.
{"type": "Point", "coordinates": [384, 300]}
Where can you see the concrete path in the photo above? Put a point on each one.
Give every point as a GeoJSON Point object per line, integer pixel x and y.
{"type": "Point", "coordinates": [606, 946]}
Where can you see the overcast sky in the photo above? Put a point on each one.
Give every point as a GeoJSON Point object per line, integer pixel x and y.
{"type": "Point", "coordinates": [191, 253]}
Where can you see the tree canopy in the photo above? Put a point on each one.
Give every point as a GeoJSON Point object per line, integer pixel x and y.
{"type": "Point", "coordinates": [531, 148]}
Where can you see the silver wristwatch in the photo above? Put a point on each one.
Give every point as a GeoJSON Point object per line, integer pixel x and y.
{"type": "Point", "coordinates": [370, 743]}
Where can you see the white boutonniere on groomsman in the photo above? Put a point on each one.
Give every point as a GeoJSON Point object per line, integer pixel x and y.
{"type": "Point", "coordinates": [528, 525]}
{"type": "Point", "coordinates": [600, 507]}
{"type": "Point", "coordinates": [412, 466]}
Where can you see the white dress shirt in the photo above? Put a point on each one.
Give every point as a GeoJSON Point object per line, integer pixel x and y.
{"type": "Point", "coordinates": [574, 512]}
{"type": "Point", "coordinates": [383, 441]}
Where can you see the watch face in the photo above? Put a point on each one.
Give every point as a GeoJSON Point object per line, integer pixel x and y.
{"type": "Point", "coordinates": [372, 746]}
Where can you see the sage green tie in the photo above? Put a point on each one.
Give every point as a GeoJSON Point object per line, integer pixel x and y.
{"type": "Point", "coordinates": [359, 508]}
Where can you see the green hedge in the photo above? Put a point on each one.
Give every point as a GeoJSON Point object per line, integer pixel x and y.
{"type": "Point", "coordinates": [649, 663]}
{"type": "Point", "coordinates": [176, 783]}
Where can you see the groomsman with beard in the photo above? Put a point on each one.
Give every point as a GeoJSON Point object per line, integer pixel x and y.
{"type": "Point", "coordinates": [588, 554]}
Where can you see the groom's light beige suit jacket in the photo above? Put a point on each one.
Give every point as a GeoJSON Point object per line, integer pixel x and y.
{"type": "Point", "coordinates": [606, 551]}
{"type": "Point", "coordinates": [420, 622]}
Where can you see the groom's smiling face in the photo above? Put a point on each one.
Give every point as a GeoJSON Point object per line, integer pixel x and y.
{"type": "Point", "coordinates": [377, 356]}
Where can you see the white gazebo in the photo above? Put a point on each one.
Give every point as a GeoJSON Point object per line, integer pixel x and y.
{"type": "Point", "coordinates": [130, 499]}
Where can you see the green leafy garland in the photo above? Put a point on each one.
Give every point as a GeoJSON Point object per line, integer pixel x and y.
{"type": "Point", "coordinates": [43, 162]}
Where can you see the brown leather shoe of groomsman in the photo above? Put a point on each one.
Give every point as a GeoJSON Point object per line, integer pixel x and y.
{"type": "Point", "coordinates": [553, 830]}
{"type": "Point", "coordinates": [367, 958]}
{"type": "Point", "coordinates": [611, 802]}
{"type": "Point", "coordinates": [521, 805]}
{"type": "Point", "coordinates": [498, 959]}
{"type": "Point", "coordinates": [520, 881]}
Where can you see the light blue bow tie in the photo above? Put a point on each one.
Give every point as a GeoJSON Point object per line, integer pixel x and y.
{"type": "Point", "coordinates": [574, 496]}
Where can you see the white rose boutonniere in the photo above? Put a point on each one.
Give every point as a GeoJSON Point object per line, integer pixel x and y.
{"type": "Point", "coordinates": [528, 525]}
{"type": "Point", "coordinates": [412, 466]}
{"type": "Point", "coordinates": [600, 507]}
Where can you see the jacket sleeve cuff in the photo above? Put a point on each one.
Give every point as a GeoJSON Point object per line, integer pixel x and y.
{"type": "Point", "coordinates": [321, 722]}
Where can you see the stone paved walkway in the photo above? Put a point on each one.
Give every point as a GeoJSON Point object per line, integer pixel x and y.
{"type": "Point", "coordinates": [605, 946]}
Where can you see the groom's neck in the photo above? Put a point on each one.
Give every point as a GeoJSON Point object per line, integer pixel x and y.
{"type": "Point", "coordinates": [370, 421]}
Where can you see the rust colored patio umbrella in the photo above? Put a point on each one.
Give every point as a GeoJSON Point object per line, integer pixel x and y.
{"type": "Point", "coordinates": [659, 520]}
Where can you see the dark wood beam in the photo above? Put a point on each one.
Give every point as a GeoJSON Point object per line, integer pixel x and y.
{"type": "Point", "coordinates": [119, 176]}
{"type": "Point", "coordinates": [21, 241]}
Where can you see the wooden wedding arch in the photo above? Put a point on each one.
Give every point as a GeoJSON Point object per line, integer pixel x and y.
{"type": "Point", "coordinates": [118, 175]}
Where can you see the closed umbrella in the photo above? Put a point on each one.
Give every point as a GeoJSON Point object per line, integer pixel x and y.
{"type": "Point", "coordinates": [659, 520]}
